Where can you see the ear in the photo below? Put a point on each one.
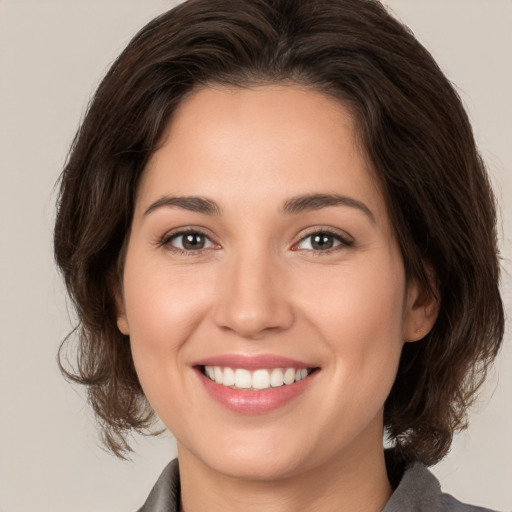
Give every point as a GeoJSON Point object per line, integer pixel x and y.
{"type": "Point", "coordinates": [122, 323]}
{"type": "Point", "coordinates": [122, 320]}
{"type": "Point", "coordinates": [421, 309]}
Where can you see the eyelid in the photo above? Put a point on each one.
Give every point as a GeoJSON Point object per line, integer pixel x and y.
{"type": "Point", "coordinates": [343, 237]}
{"type": "Point", "coordinates": [165, 240]}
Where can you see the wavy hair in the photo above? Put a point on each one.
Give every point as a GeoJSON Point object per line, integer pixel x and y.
{"type": "Point", "coordinates": [412, 128]}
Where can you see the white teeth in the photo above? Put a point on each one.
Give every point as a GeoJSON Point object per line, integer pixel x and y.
{"type": "Point", "coordinates": [241, 378]}
{"type": "Point", "coordinates": [229, 377]}
{"type": "Point", "coordinates": [261, 379]}
{"type": "Point", "coordinates": [276, 378]}
{"type": "Point", "coordinates": [289, 376]}
{"type": "Point", "coordinates": [217, 375]}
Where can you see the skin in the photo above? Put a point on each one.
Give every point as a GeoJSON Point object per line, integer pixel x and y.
{"type": "Point", "coordinates": [260, 287]}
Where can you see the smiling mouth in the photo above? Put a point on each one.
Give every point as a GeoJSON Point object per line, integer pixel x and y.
{"type": "Point", "coordinates": [256, 380]}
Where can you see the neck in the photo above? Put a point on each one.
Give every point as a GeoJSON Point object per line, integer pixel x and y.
{"type": "Point", "coordinates": [355, 482]}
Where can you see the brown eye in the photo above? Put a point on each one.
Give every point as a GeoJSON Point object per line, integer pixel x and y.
{"type": "Point", "coordinates": [189, 241]}
{"type": "Point", "coordinates": [193, 241]}
{"type": "Point", "coordinates": [322, 241]}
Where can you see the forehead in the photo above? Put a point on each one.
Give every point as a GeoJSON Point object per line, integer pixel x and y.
{"type": "Point", "coordinates": [260, 143]}
{"type": "Point", "coordinates": [286, 113]}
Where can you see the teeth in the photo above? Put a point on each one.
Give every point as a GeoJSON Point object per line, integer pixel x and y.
{"type": "Point", "coordinates": [240, 378]}
{"type": "Point", "coordinates": [261, 379]}
{"type": "Point", "coordinates": [289, 376]}
{"type": "Point", "coordinates": [229, 377]}
{"type": "Point", "coordinates": [217, 375]}
{"type": "Point", "coordinates": [276, 378]}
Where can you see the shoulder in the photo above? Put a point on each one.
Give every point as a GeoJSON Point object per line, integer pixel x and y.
{"type": "Point", "coordinates": [419, 491]}
{"type": "Point", "coordinates": [165, 495]}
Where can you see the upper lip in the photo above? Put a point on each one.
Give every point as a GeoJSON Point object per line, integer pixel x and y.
{"type": "Point", "coordinates": [252, 362]}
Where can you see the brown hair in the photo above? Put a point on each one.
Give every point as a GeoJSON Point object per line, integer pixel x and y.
{"type": "Point", "coordinates": [413, 129]}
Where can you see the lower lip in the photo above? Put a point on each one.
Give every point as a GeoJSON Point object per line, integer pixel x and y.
{"type": "Point", "coordinates": [246, 401]}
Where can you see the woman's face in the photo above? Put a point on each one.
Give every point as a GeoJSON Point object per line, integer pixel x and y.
{"type": "Point", "coordinates": [260, 247]}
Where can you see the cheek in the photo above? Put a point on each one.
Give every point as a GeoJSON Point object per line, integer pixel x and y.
{"type": "Point", "coordinates": [362, 301]}
{"type": "Point", "coordinates": [359, 313]}
{"type": "Point", "coordinates": [162, 310]}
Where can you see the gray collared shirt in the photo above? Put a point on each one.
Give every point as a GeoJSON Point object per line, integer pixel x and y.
{"type": "Point", "coordinates": [418, 491]}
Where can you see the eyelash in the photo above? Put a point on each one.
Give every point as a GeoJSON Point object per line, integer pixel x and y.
{"type": "Point", "coordinates": [168, 238]}
{"type": "Point", "coordinates": [344, 242]}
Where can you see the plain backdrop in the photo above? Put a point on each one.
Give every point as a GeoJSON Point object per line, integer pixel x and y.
{"type": "Point", "coordinates": [52, 56]}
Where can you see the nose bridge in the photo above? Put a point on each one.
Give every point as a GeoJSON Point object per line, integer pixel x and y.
{"type": "Point", "coordinates": [252, 299]}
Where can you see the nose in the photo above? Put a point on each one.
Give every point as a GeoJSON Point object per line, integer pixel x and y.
{"type": "Point", "coordinates": [252, 298]}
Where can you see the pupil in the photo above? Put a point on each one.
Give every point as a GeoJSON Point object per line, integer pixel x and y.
{"type": "Point", "coordinates": [322, 241]}
{"type": "Point", "coordinates": [193, 241]}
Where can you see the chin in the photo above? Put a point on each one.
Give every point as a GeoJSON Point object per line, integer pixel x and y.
{"type": "Point", "coordinates": [259, 467]}
{"type": "Point", "coordinates": [265, 460]}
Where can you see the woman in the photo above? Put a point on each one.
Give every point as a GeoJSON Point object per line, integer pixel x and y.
{"type": "Point", "coordinates": [280, 238]}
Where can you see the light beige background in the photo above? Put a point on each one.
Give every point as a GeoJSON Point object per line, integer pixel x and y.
{"type": "Point", "coordinates": [52, 55]}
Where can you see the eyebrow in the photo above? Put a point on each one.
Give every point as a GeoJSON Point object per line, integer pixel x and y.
{"type": "Point", "coordinates": [310, 202]}
{"type": "Point", "coordinates": [193, 204]}
{"type": "Point", "coordinates": [293, 206]}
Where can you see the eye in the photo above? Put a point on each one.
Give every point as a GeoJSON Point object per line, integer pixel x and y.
{"type": "Point", "coordinates": [186, 241]}
{"type": "Point", "coordinates": [322, 241]}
